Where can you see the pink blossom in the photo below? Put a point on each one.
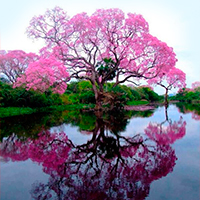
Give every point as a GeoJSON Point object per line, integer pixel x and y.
{"type": "Point", "coordinates": [14, 63]}
{"type": "Point", "coordinates": [43, 74]}
{"type": "Point", "coordinates": [82, 41]}
{"type": "Point", "coordinates": [166, 134]}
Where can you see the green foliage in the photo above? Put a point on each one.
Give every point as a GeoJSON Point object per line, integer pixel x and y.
{"type": "Point", "coordinates": [106, 69]}
{"type": "Point", "coordinates": [135, 93]}
{"type": "Point", "coordinates": [81, 92]}
{"type": "Point", "coordinates": [77, 93]}
{"type": "Point", "coordinates": [120, 89]}
{"type": "Point", "coordinates": [25, 126]}
{"type": "Point", "coordinates": [185, 107]}
{"type": "Point", "coordinates": [148, 94]}
{"type": "Point", "coordinates": [188, 95]}
{"type": "Point", "coordinates": [13, 111]}
{"type": "Point", "coordinates": [135, 103]}
{"type": "Point", "coordinates": [78, 87]}
{"type": "Point", "coordinates": [87, 97]}
{"type": "Point", "coordinates": [19, 97]}
{"type": "Point", "coordinates": [84, 120]}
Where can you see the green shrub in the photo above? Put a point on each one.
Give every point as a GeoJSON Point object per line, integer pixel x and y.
{"type": "Point", "coordinates": [20, 97]}
{"type": "Point", "coordinates": [87, 97]}
{"type": "Point", "coordinates": [187, 95]}
{"type": "Point", "coordinates": [81, 92]}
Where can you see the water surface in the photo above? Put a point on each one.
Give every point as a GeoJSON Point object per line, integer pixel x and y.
{"type": "Point", "coordinates": [120, 155]}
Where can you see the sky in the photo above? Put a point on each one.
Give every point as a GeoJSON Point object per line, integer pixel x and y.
{"type": "Point", "coordinates": [176, 22]}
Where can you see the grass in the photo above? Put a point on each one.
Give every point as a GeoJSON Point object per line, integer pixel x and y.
{"type": "Point", "coordinates": [14, 111]}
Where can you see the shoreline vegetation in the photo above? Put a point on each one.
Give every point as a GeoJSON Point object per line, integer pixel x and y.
{"type": "Point", "coordinates": [14, 111]}
{"type": "Point", "coordinates": [137, 106]}
{"type": "Point", "coordinates": [79, 95]}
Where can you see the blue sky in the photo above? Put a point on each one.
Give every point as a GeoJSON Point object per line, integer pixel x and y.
{"type": "Point", "coordinates": [175, 22]}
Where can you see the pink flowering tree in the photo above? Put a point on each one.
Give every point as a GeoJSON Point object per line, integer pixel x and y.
{"type": "Point", "coordinates": [104, 46]}
{"type": "Point", "coordinates": [14, 63]}
{"type": "Point", "coordinates": [172, 78]}
{"type": "Point", "coordinates": [43, 74]}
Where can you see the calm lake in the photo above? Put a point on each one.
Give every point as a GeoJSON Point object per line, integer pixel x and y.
{"type": "Point", "coordinates": [75, 154]}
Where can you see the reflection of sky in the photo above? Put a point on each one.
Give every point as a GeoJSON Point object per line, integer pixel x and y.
{"type": "Point", "coordinates": [17, 179]}
{"type": "Point", "coordinates": [72, 133]}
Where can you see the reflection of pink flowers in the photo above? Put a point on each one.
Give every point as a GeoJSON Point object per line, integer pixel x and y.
{"type": "Point", "coordinates": [195, 113]}
{"type": "Point", "coordinates": [86, 132]}
{"type": "Point", "coordinates": [50, 149]}
{"type": "Point", "coordinates": [13, 149]}
{"type": "Point", "coordinates": [166, 134]}
{"type": "Point", "coordinates": [132, 149]}
{"type": "Point", "coordinates": [83, 170]}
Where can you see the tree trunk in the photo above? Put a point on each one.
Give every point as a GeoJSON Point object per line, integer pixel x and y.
{"type": "Point", "coordinates": [98, 105]}
{"type": "Point", "coordinates": [98, 96]}
{"type": "Point", "coordinates": [166, 98]}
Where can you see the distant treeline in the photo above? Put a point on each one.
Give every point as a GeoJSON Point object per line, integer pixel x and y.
{"type": "Point", "coordinates": [188, 95]}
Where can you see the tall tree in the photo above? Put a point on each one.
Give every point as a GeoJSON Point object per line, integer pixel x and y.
{"type": "Point", "coordinates": [14, 63]}
{"type": "Point", "coordinates": [104, 46]}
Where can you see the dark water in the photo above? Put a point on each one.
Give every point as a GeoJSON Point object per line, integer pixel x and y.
{"type": "Point", "coordinates": [120, 155]}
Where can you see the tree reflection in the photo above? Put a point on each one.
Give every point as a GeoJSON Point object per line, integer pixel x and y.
{"type": "Point", "coordinates": [108, 166]}
{"type": "Point", "coordinates": [166, 132]}
{"type": "Point", "coordinates": [194, 109]}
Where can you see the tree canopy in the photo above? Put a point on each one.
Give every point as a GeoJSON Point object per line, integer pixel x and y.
{"type": "Point", "coordinates": [14, 63]}
{"type": "Point", "coordinates": [105, 46]}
